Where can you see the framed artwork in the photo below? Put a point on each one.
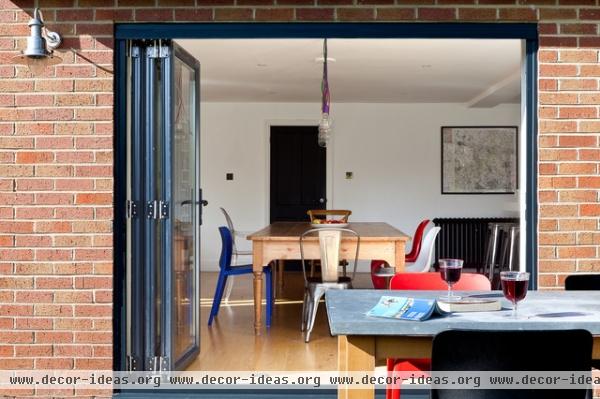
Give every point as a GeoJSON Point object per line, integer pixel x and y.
{"type": "Point", "coordinates": [479, 159]}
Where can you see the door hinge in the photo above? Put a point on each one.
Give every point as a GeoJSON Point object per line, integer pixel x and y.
{"type": "Point", "coordinates": [158, 363]}
{"type": "Point", "coordinates": [164, 210]}
{"type": "Point", "coordinates": [132, 209]}
{"type": "Point", "coordinates": [157, 209]}
{"type": "Point", "coordinates": [131, 363]}
{"type": "Point", "coordinates": [134, 51]}
{"type": "Point", "coordinates": [158, 51]}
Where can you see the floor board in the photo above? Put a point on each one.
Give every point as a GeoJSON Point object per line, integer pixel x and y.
{"type": "Point", "coordinates": [230, 343]}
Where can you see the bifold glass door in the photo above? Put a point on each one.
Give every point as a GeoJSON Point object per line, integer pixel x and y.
{"type": "Point", "coordinates": [164, 206]}
{"type": "Point", "coordinates": [187, 205]}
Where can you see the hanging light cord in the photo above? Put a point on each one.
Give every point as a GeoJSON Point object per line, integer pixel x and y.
{"type": "Point", "coordinates": [325, 82]}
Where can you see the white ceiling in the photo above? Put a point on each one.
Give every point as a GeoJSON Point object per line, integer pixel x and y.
{"type": "Point", "coordinates": [481, 73]}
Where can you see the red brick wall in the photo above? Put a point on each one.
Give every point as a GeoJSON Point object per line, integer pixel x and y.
{"type": "Point", "coordinates": [56, 152]}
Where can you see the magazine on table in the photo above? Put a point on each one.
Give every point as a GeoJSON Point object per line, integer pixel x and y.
{"type": "Point", "coordinates": [419, 309]}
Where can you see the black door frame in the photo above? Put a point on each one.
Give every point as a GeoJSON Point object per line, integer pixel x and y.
{"type": "Point", "coordinates": [130, 31]}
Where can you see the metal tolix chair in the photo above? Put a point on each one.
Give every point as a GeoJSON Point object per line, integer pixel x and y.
{"type": "Point", "coordinates": [330, 239]}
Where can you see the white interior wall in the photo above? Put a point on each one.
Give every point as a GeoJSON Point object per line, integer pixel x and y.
{"type": "Point", "coordinates": [392, 149]}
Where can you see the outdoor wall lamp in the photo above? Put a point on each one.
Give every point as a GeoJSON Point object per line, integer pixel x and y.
{"type": "Point", "coordinates": [37, 56]}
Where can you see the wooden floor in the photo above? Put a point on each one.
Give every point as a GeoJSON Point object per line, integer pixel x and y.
{"type": "Point", "coordinates": [230, 343]}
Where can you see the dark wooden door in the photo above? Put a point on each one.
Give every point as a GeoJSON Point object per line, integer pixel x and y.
{"type": "Point", "coordinates": [298, 170]}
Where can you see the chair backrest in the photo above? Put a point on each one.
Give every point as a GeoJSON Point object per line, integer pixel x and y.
{"type": "Point", "coordinates": [329, 247]}
{"type": "Point", "coordinates": [230, 226]}
{"type": "Point", "coordinates": [417, 240]}
{"type": "Point", "coordinates": [491, 249]}
{"type": "Point", "coordinates": [433, 281]}
{"type": "Point", "coordinates": [425, 258]}
{"type": "Point", "coordinates": [226, 248]}
{"type": "Point", "coordinates": [582, 282]}
{"type": "Point", "coordinates": [542, 350]}
{"type": "Point", "coordinates": [343, 214]}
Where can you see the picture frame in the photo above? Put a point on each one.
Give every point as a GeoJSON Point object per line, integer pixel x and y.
{"type": "Point", "coordinates": [479, 159]}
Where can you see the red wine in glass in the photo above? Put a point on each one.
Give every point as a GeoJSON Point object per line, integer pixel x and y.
{"type": "Point", "coordinates": [515, 290]}
{"type": "Point", "coordinates": [450, 275]}
{"type": "Point", "coordinates": [450, 271]}
{"type": "Point", "coordinates": [514, 287]}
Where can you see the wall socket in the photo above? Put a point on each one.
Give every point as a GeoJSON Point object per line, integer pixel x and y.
{"type": "Point", "coordinates": [229, 176]}
{"type": "Point", "coordinates": [349, 175]}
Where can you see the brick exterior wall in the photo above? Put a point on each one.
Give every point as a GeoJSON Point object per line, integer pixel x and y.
{"type": "Point", "coordinates": [56, 161]}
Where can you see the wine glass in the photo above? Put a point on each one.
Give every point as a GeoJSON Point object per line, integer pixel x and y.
{"type": "Point", "coordinates": [514, 287]}
{"type": "Point", "coordinates": [450, 270]}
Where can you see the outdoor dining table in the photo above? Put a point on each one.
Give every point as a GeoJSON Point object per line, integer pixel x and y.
{"type": "Point", "coordinates": [363, 339]}
{"type": "Point", "coordinates": [281, 241]}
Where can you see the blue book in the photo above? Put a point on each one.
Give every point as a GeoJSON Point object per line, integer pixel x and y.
{"type": "Point", "coordinates": [394, 307]}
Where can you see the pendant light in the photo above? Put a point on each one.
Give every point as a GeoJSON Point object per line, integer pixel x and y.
{"type": "Point", "coordinates": [326, 123]}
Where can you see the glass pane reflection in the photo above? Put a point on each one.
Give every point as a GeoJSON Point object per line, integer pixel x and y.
{"type": "Point", "coordinates": [184, 198]}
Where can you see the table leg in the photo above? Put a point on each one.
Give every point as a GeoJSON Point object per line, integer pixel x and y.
{"type": "Point", "coordinates": [280, 270]}
{"type": "Point", "coordinates": [356, 353]}
{"type": "Point", "coordinates": [258, 280]}
{"type": "Point", "coordinates": [400, 254]}
{"type": "Point", "coordinates": [257, 269]}
{"type": "Point", "coordinates": [342, 363]}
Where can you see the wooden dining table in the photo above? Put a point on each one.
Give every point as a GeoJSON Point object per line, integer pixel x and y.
{"type": "Point", "coordinates": [364, 339]}
{"type": "Point", "coordinates": [281, 241]}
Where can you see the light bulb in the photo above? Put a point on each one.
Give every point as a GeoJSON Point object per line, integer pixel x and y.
{"type": "Point", "coordinates": [325, 129]}
{"type": "Point", "coordinates": [36, 65]}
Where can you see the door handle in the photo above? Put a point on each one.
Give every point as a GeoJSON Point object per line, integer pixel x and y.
{"type": "Point", "coordinates": [202, 203]}
{"type": "Point", "coordinates": [322, 200]}
{"type": "Point", "coordinates": [189, 202]}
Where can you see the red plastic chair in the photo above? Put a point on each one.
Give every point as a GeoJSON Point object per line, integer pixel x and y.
{"type": "Point", "coordinates": [380, 283]}
{"type": "Point", "coordinates": [432, 281]}
{"type": "Point", "coordinates": [426, 281]}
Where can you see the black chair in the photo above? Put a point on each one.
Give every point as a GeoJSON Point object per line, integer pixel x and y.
{"type": "Point", "coordinates": [582, 282]}
{"type": "Point", "coordinates": [467, 350]}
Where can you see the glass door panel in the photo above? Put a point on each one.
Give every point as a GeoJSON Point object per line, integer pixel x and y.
{"type": "Point", "coordinates": [156, 175]}
{"type": "Point", "coordinates": [134, 261]}
{"type": "Point", "coordinates": [185, 204]}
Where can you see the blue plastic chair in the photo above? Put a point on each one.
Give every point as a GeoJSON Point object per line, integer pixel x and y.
{"type": "Point", "coordinates": [228, 270]}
